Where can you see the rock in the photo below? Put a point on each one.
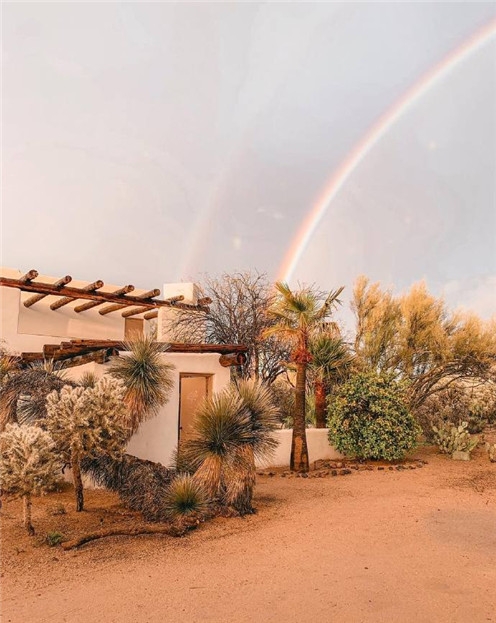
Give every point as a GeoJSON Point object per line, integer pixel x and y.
{"type": "Point", "coordinates": [272, 473]}
{"type": "Point", "coordinates": [318, 464]}
{"type": "Point", "coordinates": [334, 472]}
{"type": "Point", "coordinates": [304, 475]}
{"type": "Point", "coordinates": [343, 472]}
{"type": "Point", "coordinates": [412, 467]}
{"type": "Point", "coordinates": [391, 468]}
{"type": "Point", "coordinates": [339, 465]}
{"type": "Point", "coordinates": [380, 468]}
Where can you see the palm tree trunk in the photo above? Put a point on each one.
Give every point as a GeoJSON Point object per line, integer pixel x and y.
{"type": "Point", "coordinates": [299, 450]}
{"type": "Point", "coordinates": [26, 507]}
{"type": "Point", "coordinates": [78, 482]}
{"type": "Point", "coordinates": [320, 404]}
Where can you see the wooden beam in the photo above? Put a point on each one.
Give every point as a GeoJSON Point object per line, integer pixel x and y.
{"type": "Point", "coordinates": [232, 359]}
{"type": "Point", "coordinates": [134, 311]}
{"type": "Point", "coordinates": [91, 287]}
{"type": "Point", "coordinates": [29, 276]}
{"type": "Point", "coordinates": [175, 299]}
{"type": "Point", "coordinates": [91, 304]}
{"type": "Point", "coordinates": [112, 308]}
{"type": "Point", "coordinates": [206, 300]}
{"type": "Point", "coordinates": [174, 347]}
{"type": "Point", "coordinates": [37, 297]}
{"type": "Point", "coordinates": [151, 314]}
{"type": "Point", "coordinates": [104, 297]}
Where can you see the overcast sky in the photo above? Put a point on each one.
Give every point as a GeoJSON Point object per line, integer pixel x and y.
{"type": "Point", "coordinates": [145, 143]}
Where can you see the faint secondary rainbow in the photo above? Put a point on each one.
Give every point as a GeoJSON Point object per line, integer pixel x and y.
{"type": "Point", "coordinates": [373, 135]}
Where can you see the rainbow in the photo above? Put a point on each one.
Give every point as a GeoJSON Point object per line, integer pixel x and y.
{"type": "Point", "coordinates": [373, 135]}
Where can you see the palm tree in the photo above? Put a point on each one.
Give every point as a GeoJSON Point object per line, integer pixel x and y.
{"type": "Point", "coordinates": [331, 360]}
{"type": "Point", "coordinates": [298, 315]}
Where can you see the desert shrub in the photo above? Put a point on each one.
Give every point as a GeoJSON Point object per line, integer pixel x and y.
{"type": "Point", "coordinates": [185, 496]}
{"type": "Point", "coordinates": [54, 538]}
{"type": "Point", "coordinates": [460, 402]}
{"type": "Point", "coordinates": [29, 465]}
{"type": "Point", "coordinates": [229, 431]}
{"type": "Point", "coordinates": [368, 418]}
{"type": "Point", "coordinates": [450, 438]}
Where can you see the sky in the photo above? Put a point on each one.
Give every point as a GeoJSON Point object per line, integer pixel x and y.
{"type": "Point", "coordinates": [154, 142]}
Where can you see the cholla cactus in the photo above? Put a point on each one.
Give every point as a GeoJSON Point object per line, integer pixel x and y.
{"type": "Point", "coordinates": [28, 464]}
{"type": "Point", "coordinates": [491, 451]}
{"type": "Point", "coordinates": [85, 422]}
{"type": "Point", "coordinates": [450, 438]}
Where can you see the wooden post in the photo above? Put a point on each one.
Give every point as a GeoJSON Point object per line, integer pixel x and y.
{"type": "Point", "coordinates": [91, 304]}
{"type": "Point", "coordinates": [96, 285]}
{"type": "Point", "coordinates": [37, 297]}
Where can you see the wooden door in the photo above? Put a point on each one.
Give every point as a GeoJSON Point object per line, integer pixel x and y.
{"type": "Point", "coordinates": [194, 388]}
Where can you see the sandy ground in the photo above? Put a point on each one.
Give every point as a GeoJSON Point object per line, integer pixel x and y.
{"type": "Point", "coordinates": [374, 546]}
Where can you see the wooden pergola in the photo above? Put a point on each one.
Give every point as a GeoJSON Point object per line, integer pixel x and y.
{"type": "Point", "coordinates": [120, 299]}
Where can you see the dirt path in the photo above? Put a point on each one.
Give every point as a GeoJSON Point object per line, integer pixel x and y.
{"type": "Point", "coordinates": [413, 546]}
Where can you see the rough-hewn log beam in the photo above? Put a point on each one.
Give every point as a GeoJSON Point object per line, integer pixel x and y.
{"type": "Point", "coordinates": [37, 297]}
{"type": "Point", "coordinates": [134, 311]}
{"type": "Point", "coordinates": [174, 347]}
{"type": "Point", "coordinates": [104, 297]}
{"type": "Point", "coordinates": [29, 276]}
{"type": "Point", "coordinates": [91, 304]}
{"type": "Point", "coordinates": [151, 314]}
{"type": "Point", "coordinates": [112, 308]}
{"type": "Point", "coordinates": [206, 300]}
{"type": "Point", "coordinates": [232, 359]}
{"type": "Point", "coordinates": [91, 287]}
{"type": "Point", "coordinates": [175, 299]}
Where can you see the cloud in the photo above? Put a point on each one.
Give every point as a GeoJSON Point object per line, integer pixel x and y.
{"type": "Point", "coordinates": [477, 294]}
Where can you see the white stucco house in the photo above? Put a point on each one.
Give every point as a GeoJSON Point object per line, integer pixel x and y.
{"type": "Point", "coordinates": [82, 324]}
{"type": "Point", "coordinates": [44, 317]}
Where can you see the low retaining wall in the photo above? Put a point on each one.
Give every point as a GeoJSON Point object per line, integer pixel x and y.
{"type": "Point", "coordinates": [318, 447]}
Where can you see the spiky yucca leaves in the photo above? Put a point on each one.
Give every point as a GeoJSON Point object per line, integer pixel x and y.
{"type": "Point", "coordinates": [221, 425]}
{"type": "Point", "coordinates": [146, 377]}
{"type": "Point", "coordinates": [86, 422]}
{"type": "Point", "coordinates": [229, 431]}
{"type": "Point", "coordinates": [33, 386]}
{"type": "Point", "coordinates": [88, 379]}
{"type": "Point", "coordinates": [264, 418]}
{"type": "Point", "coordinates": [185, 497]}
{"type": "Point", "coordinates": [29, 464]}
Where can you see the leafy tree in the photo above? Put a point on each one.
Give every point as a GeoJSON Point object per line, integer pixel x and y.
{"type": "Point", "coordinates": [238, 315]}
{"type": "Point", "coordinates": [29, 465]}
{"type": "Point", "coordinates": [297, 316]}
{"type": "Point", "coordinates": [146, 377]}
{"type": "Point", "coordinates": [414, 337]}
{"type": "Point", "coordinates": [330, 362]}
{"type": "Point", "coordinates": [369, 418]}
{"type": "Point", "coordinates": [86, 422]}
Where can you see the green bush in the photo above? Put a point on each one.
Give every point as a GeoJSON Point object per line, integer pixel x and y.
{"type": "Point", "coordinates": [369, 419]}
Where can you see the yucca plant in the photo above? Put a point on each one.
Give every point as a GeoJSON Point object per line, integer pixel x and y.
{"type": "Point", "coordinates": [146, 377]}
{"type": "Point", "coordinates": [230, 430]}
{"type": "Point", "coordinates": [184, 497]}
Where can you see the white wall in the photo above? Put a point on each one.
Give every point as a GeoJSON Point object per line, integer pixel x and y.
{"type": "Point", "coordinates": [318, 447]}
{"type": "Point", "coordinates": [157, 438]}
